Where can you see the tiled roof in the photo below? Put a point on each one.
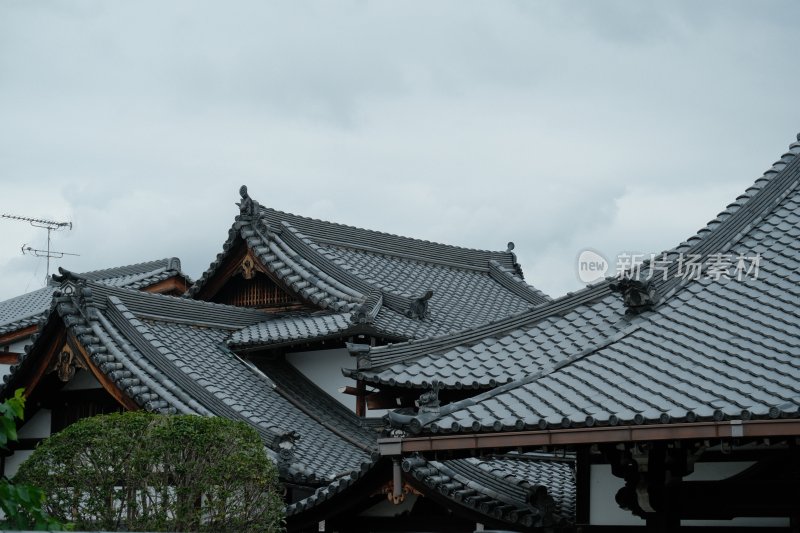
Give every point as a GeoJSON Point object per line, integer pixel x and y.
{"type": "Point", "coordinates": [291, 329]}
{"type": "Point", "coordinates": [710, 349]}
{"type": "Point", "coordinates": [29, 308]}
{"type": "Point", "coordinates": [168, 354]}
{"type": "Point", "coordinates": [425, 289]}
{"type": "Point", "coordinates": [518, 489]}
{"type": "Point", "coordinates": [500, 357]}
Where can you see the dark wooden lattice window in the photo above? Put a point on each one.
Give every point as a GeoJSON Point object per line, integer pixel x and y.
{"type": "Point", "coordinates": [258, 292]}
{"type": "Point", "coordinates": [71, 406]}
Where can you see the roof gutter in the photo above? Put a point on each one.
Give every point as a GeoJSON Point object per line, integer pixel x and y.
{"type": "Point", "coordinates": [596, 435]}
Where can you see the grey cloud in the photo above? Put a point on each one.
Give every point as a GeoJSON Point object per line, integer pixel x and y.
{"type": "Point", "coordinates": [466, 122]}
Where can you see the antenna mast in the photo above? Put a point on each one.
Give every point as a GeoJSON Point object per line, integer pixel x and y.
{"type": "Point", "coordinates": [50, 226]}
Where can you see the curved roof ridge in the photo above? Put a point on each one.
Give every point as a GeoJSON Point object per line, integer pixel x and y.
{"type": "Point", "coordinates": [164, 307]}
{"type": "Point", "coordinates": [382, 356]}
{"type": "Point", "coordinates": [346, 236]}
{"type": "Point", "coordinates": [167, 263]}
{"type": "Point", "coordinates": [395, 298]}
{"type": "Point", "coordinates": [730, 225]}
{"type": "Point", "coordinates": [509, 279]}
{"type": "Point", "coordinates": [27, 309]}
{"type": "Point", "coordinates": [308, 397]}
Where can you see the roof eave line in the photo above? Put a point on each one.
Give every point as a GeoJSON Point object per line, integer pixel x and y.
{"type": "Point", "coordinates": [736, 429]}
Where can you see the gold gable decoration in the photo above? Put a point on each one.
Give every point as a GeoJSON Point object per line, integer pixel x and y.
{"type": "Point", "coordinates": [65, 364]}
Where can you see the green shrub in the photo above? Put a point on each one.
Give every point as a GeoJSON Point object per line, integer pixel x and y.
{"type": "Point", "coordinates": [140, 471]}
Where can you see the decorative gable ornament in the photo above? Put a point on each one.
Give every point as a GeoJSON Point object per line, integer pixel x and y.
{"type": "Point", "coordinates": [638, 296]}
{"type": "Point", "coordinates": [65, 364]}
{"type": "Point", "coordinates": [248, 206]}
{"type": "Point", "coordinates": [419, 307]}
{"type": "Point", "coordinates": [428, 401]}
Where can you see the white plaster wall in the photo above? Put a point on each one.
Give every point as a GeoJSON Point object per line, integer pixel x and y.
{"type": "Point", "coordinates": [603, 508]}
{"type": "Point", "coordinates": [324, 368]}
{"type": "Point", "coordinates": [19, 346]}
{"type": "Point", "coordinates": [4, 371]}
{"type": "Point", "coordinates": [13, 461]}
{"type": "Point", "coordinates": [36, 427]}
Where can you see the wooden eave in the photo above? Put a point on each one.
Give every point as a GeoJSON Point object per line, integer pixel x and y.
{"type": "Point", "coordinates": [731, 429]}
{"type": "Point", "coordinates": [16, 335]}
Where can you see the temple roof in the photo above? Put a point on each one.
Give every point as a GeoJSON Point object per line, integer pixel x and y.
{"type": "Point", "coordinates": [400, 287]}
{"type": "Point", "coordinates": [29, 308]}
{"type": "Point", "coordinates": [697, 349]}
{"type": "Point", "coordinates": [169, 355]}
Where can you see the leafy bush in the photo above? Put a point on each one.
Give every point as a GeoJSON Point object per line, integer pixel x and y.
{"type": "Point", "coordinates": [21, 504]}
{"type": "Point", "coordinates": [141, 471]}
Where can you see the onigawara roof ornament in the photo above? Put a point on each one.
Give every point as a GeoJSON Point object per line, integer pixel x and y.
{"type": "Point", "coordinates": [517, 266]}
{"type": "Point", "coordinates": [286, 445]}
{"type": "Point", "coordinates": [366, 312]}
{"type": "Point", "coordinates": [428, 401]}
{"type": "Point", "coordinates": [419, 306]}
{"type": "Point", "coordinates": [247, 206]}
{"type": "Point", "coordinates": [638, 296]}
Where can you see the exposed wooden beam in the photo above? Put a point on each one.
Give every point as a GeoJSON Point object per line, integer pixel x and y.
{"type": "Point", "coordinates": [53, 348]}
{"type": "Point", "coordinates": [9, 358]}
{"type": "Point", "coordinates": [13, 336]}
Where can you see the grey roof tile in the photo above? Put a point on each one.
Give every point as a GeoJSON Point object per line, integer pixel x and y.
{"type": "Point", "coordinates": [169, 355]}
{"type": "Point", "coordinates": [338, 267]}
{"type": "Point", "coordinates": [710, 349]}
{"type": "Point", "coordinates": [29, 308]}
{"type": "Point", "coordinates": [529, 490]}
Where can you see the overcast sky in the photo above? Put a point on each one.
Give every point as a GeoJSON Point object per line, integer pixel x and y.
{"type": "Point", "coordinates": [618, 126]}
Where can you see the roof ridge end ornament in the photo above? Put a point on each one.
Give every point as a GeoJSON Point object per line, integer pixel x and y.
{"type": "Point", "coordinates": [428, 401]}
{"type": "Point", "coordinates": [517, 267]}
{"type": "Point", "coordinates": [286, 443]}
{"type": "Point", "coordinates": [251, 209]}
{"type": "Point", "coordinates": [368, 309]}
{"type": "Point", "coordinates": [65, 275]}
{"type": "Point", "coordinates": [638, 296]}
{"type": "Point", "coordinates": [419, 306]}
{"type": "Point", "coordinates": [248, 206]}
{"type": "Point", "coordinates": [174, 263]}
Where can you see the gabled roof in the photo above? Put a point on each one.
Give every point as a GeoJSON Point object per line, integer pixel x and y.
{"type": "Point", "coordinates": [410, 288]}
{"type": "Point", "coordinates": [29, 308]}
{"type": "Point", "coordinates": [708, 350]}
{"type": "Point", "coordinates": [169, 355]}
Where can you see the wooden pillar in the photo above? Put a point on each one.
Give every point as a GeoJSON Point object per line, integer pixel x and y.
{"type": "Point", "coordinates": [583, 466]}
{"type": "Point", "coordinates": [361, 399]}
{"type": "Point", "coordinates": [659, 477]}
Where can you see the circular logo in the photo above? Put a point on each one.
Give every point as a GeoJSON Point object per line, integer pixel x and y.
{"type": "Point", "coordinates": [591, 266]}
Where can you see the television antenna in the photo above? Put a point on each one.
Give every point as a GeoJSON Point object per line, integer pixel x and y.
{"type": "Point", "coordinates": [50, 226]}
